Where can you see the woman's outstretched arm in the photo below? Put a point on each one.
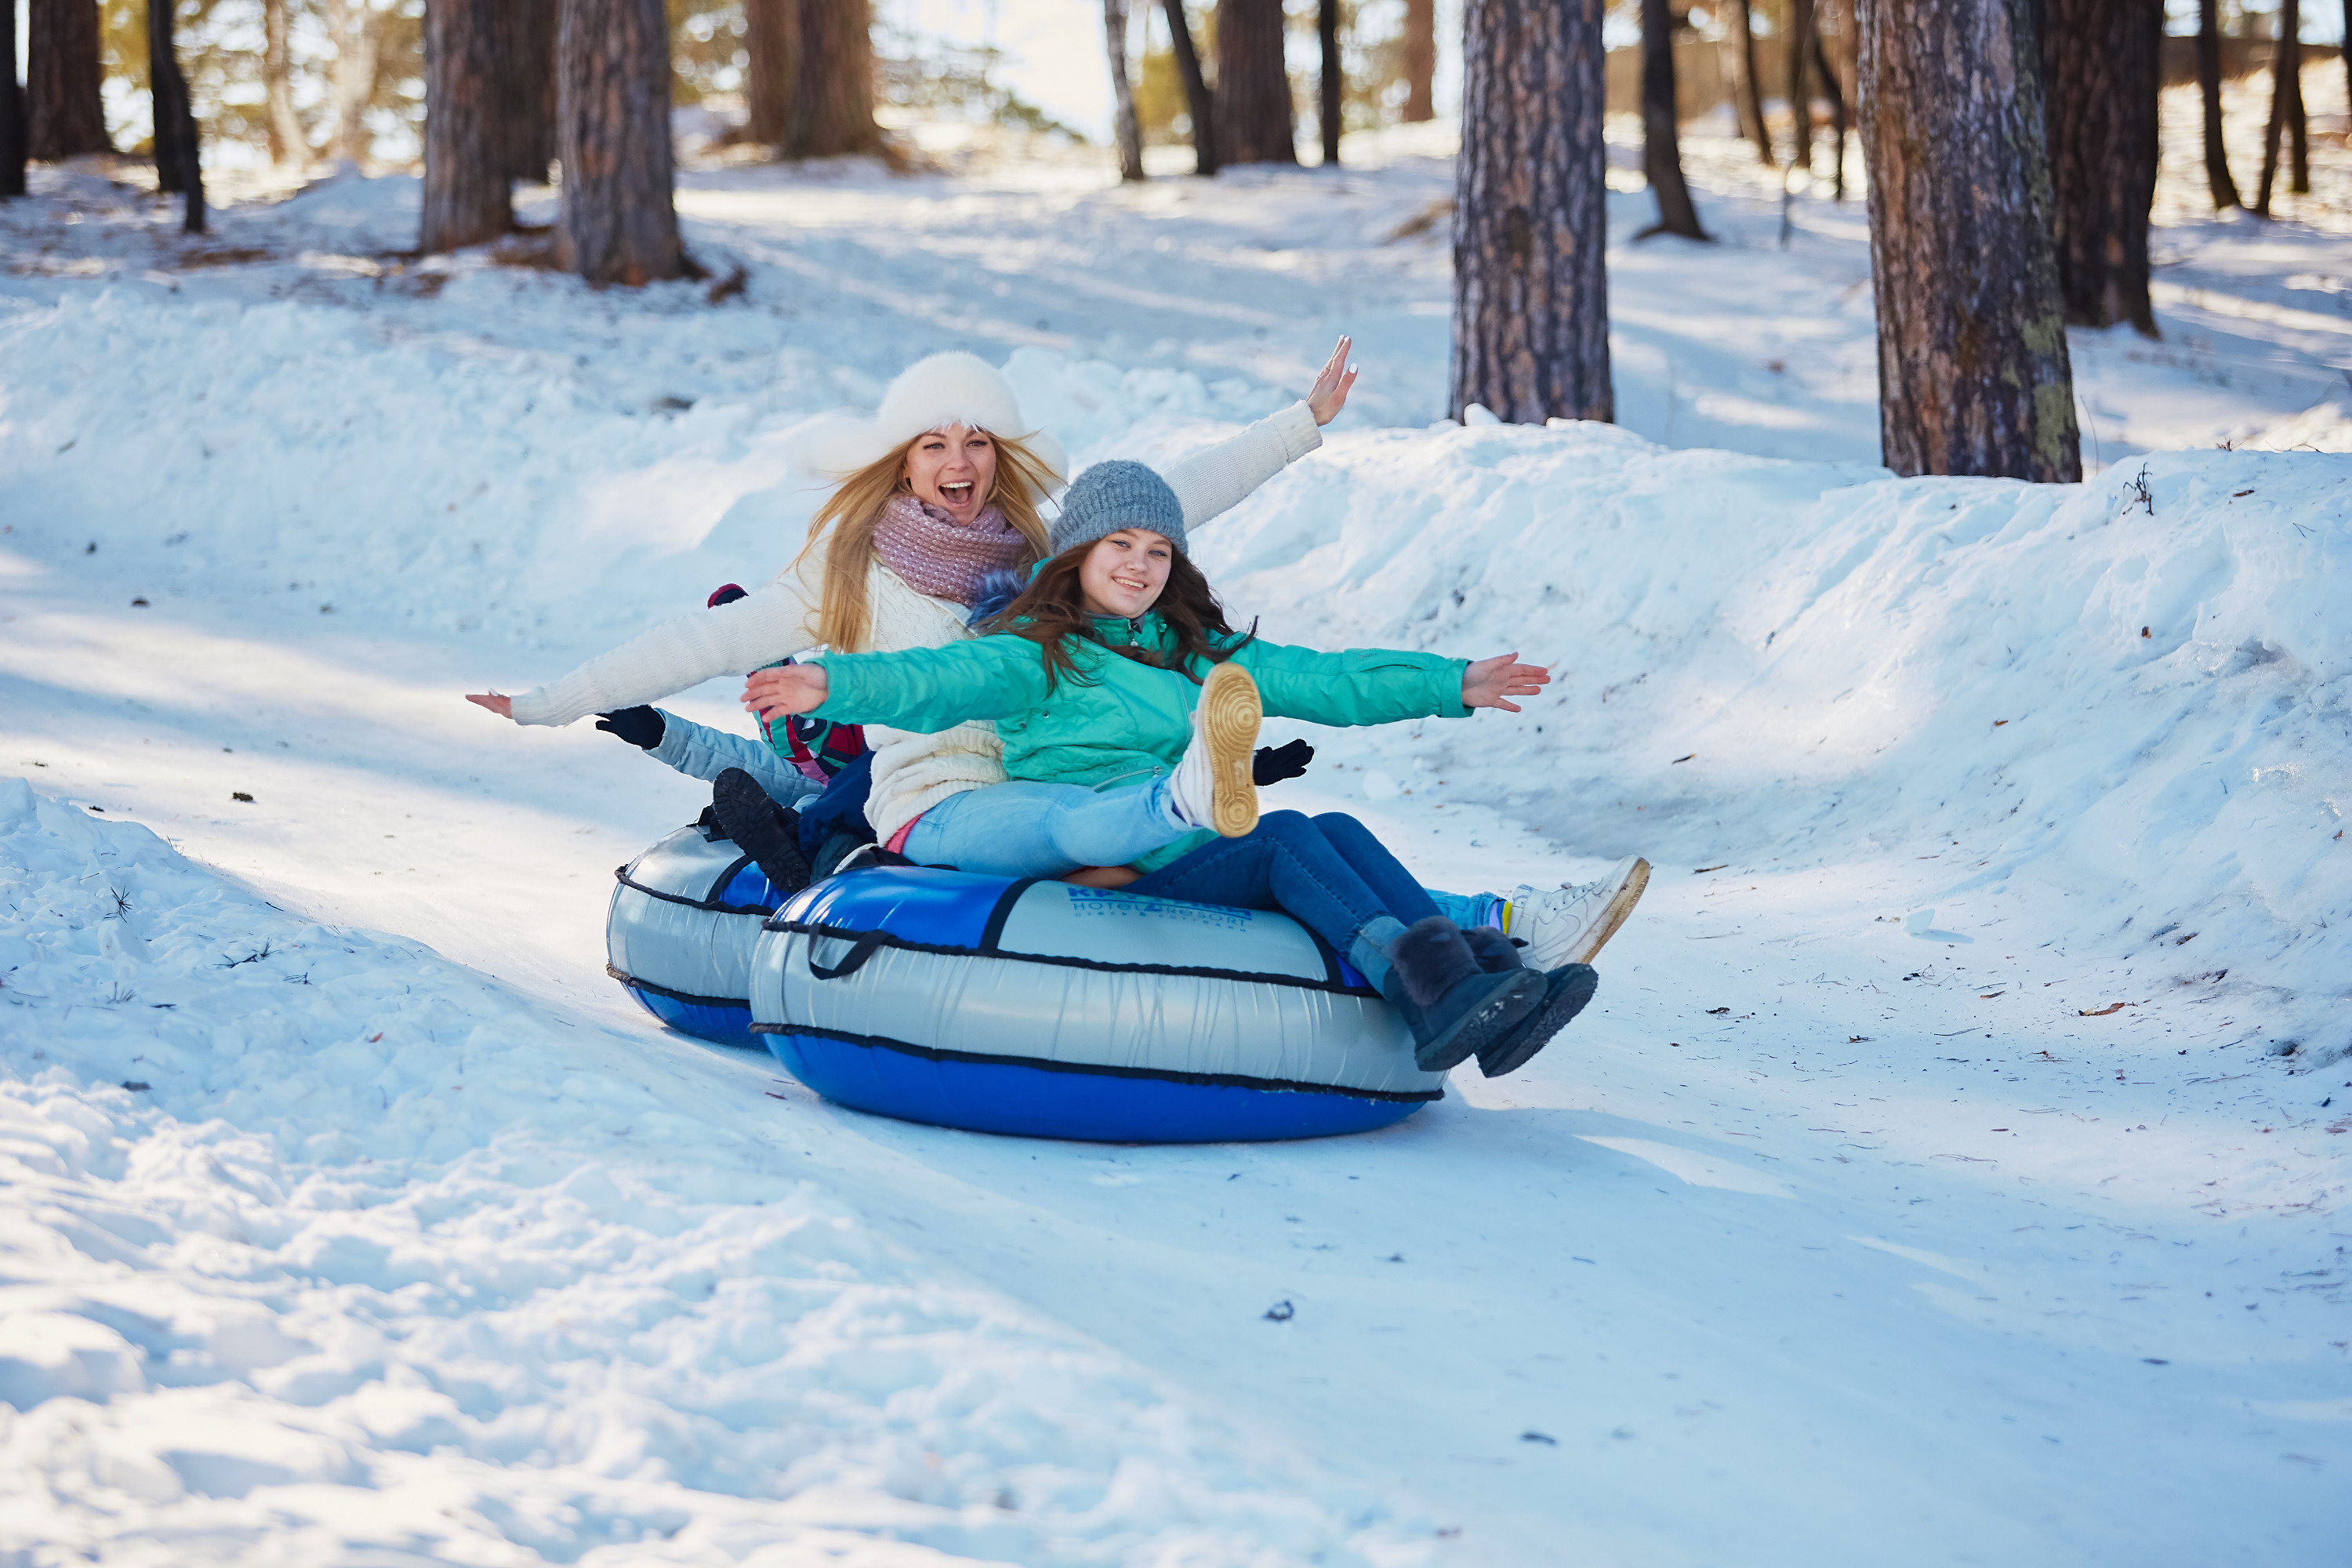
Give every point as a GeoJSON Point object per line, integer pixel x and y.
{"type": "Point", "coordinates": [775, 623]}
{"type": "Point", "coordinates": [1215, 480]}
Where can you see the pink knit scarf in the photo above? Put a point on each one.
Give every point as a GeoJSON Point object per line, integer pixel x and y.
{"type": "Point", "coordinates": [936, 556]}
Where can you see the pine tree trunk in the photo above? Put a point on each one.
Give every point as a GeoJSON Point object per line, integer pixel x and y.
{"type": "Point", "coordinates": [772, 38]}
{"type": "Point", "coordinates": [833, 103]}
{"type": "Point", "coordinates": [12, 109]}
{"type": "Point", "coordinates": [468, 193]}
{"type": "Point", "coordinates": [1125, 132]}
{"type": "Point", "coordinates": [2218, 182]}
{"type": "Point", "coordinates": [1329, 81]}
{"type": "Point", "coordinates": [288, 142]}
{"type": "Point", "coordinates": [65, 116]}
{"type": "Point", "coordinates": [1661, 157]}
{"type": "Point", "coordinates": [618, 223]}
{"type": "Point", "coordinates": [1747, 91]}
{"type": "Point", "coordinates": [2102, 69]}
{"type": "Point", "coordinates": [1254, 124]}
{"type": "Point", "coordinates": [178, 166]}
{"type": "Point", "coordinates": [523, 111]}
{"type": "Point", "coordinates": [1420, 62]}
{"type": "Point", "coordinates": [350, 80]}
{"type": "Point", "coordinates": [2286, 107]}
{"type": "Point", "coordinates": [1531, 215]}
{"type": "Point", "coordinates": [1198, 102]}
{"type": "Point", "coordinates": [1973, 373]}
{"type": "Point", "coordinates": [1837, 113]}
{"type": "Point", "coordinates": [1800, 96]}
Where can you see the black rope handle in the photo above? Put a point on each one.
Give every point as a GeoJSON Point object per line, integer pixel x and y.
{"type": "Point", "coordinates": [863, 948]}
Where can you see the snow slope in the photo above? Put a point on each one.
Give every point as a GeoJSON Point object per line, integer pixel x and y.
{"type": "Point", "coordinates": [1856, 1223]}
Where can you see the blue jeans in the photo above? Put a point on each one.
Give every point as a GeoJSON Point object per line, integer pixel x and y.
{"type": "Point", "coordinates": [1025, 829]}
{"type": "Point", "coordinates": [702, 752]}
{"type": "Point", "coordinates": [1327, 873]}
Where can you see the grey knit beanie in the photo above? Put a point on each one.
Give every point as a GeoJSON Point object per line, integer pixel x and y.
{"type": "Point", "coordinates": [1115, 495]}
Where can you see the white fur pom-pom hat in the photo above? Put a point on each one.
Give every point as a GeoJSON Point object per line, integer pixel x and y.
{"type": "Point", "coordinates": [931, 394]}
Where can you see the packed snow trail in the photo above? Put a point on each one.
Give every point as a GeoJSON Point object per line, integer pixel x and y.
{"type": "Point", "coordinates": [1856, 1223]}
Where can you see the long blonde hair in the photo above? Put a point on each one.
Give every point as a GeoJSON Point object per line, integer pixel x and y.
{"type": "Point", "coordinates": [845, 527]}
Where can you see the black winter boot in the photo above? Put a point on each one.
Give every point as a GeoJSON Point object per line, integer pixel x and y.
{"type": "Point", "coordinates": [767, 833]}
{"type": "Point", "coordinates": [1453, 1008]}
{"type": "Point", "coordinates": [1566, 990]}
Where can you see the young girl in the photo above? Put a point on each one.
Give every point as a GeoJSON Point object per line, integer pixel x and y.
{"type": "Point", "coordinates": [1116, 670]}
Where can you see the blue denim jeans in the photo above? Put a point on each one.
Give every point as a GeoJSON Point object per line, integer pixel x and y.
{"type": "Point", "coordinates": [1025, 829]}
{"type": "Point", "coordinates": [1327, 873]}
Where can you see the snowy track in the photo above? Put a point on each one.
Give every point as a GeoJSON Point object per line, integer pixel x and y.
{"type": "Point", "coordinates": [1854, 1224]}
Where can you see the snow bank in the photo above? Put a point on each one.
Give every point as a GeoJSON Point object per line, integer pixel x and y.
{"type": "Point", "coordinates": [2135, 693]}
{"type": "Point", "coordinates": [369, 1252]}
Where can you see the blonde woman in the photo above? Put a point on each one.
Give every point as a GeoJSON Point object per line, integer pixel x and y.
{"type": "Point", "coordinates": [934, 491]}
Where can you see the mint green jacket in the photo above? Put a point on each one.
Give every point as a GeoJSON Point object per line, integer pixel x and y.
{"type": "Point", "coordinates": [1121, 723]}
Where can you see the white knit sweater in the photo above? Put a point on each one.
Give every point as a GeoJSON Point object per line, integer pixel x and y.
{"type": "Point", "coordinates": [911, 772]}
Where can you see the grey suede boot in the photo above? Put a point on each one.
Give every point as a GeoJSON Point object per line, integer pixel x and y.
{"type": "Point", "coordinates": [1566, 990]}
{"type": "Point", "coordinates": [1454, 1007]}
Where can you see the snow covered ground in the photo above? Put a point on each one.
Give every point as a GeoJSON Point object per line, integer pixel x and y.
{"type": "Point", "coordinates": [352, 1216]}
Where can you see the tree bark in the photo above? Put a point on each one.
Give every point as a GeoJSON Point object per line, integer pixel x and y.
{"type": "Point", "coordinates": [468, 195]}
{"type": "Point", "coordinates": [1124, 130]}
{"type": "Point", "coordinates": [2102, 67]}
{"type": "Point", "coordinates": [65, 115]}
{"type": "Point", "coordinates": [1420, 62]}
{"type": "Point", "coordinates": [618, 223]}
{"type": "Point", "coordinates": [771, 37]}
{"type": "Point", "coordinates": [2286, 107]}
{"type": "Point", "coordinates": [1530, 214]}
{"type": "Point", "coordinates": [1253, 105]}
{"type": "Point", "coordinates": [1330, 81]}
{"type": "Point", "coordinates": [178, 166]}
{"type": "Point", "coordinates": [12, 109]}
{"type": "Point", "coordinates": [288, 142]}
{"type": "Point", "coordinates": [1747, 91]}
{"type": "Point", "coordinates": [2223, 188]}
{"type": "Point", "coordinates": [1973, 373]}
{"type": "Point", "coordinates": [523, 111]}
{"type": "Point", "coordinates": [1198, 102]}
{"type": "Point", "coordinates": [833, 103]}
{"type": "Point", "coordinates": [350, 80]}
{"type": "Point", "coordinates": [1661, 157]}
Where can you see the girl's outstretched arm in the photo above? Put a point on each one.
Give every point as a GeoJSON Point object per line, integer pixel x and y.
{"type": "Point", "coordinates": [924, 689]}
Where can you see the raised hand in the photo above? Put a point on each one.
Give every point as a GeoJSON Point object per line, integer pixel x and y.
{"type": "Point", "coordinates": [787, 688]}
{"type": "Point", "coordinates": [1329, 393]}
{"type": "Point", "coordinates": [1493, 683]}
{"type": "Point", "coordinates": [501, 706]}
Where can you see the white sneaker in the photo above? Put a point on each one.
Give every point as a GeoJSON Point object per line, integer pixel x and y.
{"type": "Point", "coordinates": [1212, 786]}
{"type": "Point", "coordinates": [1567, 924]}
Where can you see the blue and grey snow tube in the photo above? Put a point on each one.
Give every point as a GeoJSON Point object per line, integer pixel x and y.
{"type": "Point", "coordinates": [681, 931]}
{"type": "Point", "coordinates": [1056, 1011]}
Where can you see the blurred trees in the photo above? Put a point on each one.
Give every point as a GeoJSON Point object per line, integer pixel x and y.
{"type": "Point", "coordinates": [65, 115]}
{"type": "Point", "coordinates": [618, 223]}
{"type": "Point", "coordinates": [833, 99]}
{"type": "Point", "coordinates": [1530, 215]}
{"type": "Point", "coordinates": [2101, 62]}
{"type": "Point", "coordinates": [1662, 158]}
{"type": "Point", "coordinates": [1125, 136]}
{"type": "Point", "coordinates": [12, 109]}
{"type": "Point", "coordinates": [468, 190]}
{"type": "Point", "coordinates": [2286, 110]}
{"type": "Point", "coordinates": [2208, 82]}
{"type": "Point", "coordinates": [1253, 88]}
{"type": "Point", "coordinates": [179, 169]}
{"type": "Point", "coordinates": [1973, 371]}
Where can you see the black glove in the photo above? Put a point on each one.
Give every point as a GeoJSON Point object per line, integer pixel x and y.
{"type": "Point", "coordinates": [1275, 763]}
{"type": "Point", "coordinates": [640, 727]}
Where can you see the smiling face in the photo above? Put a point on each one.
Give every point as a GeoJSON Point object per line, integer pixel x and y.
{"type": "Point", "coordinates": [1122, 575]}
{"type": "Point", "coordinates": [954, 469]}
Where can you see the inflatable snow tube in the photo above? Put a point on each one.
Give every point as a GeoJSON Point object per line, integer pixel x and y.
{"type": "Point", "coordinates": [684, 922]}
{"type": "Point", "coordinates": [1054, 1011]}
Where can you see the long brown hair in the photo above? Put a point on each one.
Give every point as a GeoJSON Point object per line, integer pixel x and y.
{"type": "Point", "coordinates": [845, 527]}
{"type": "Point", "coordinates": [1052, 612]}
